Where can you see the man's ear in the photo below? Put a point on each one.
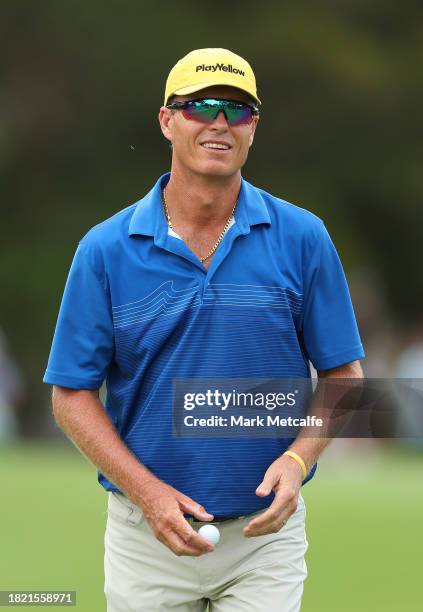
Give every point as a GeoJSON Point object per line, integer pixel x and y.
{"type": "Point", "coordinates": [165, 117]}
{"type": "Point", "coordinates": [253, 128]}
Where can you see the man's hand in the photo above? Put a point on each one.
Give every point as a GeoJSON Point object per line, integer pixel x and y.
{"type": "Point", "coordinates": [164, 508]}
{"type": "Point", "coordinates": [284, 477]}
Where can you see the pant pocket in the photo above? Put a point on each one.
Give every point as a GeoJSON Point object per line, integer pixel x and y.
{"type": "Point", "coordinates": [122, 509]}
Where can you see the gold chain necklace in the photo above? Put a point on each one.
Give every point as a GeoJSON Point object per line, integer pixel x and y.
{"type": "Point", "coordinates": [218, 241]}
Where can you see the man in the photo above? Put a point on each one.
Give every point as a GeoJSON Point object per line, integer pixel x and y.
{"type": "Point", "coordinates": [206, 276]}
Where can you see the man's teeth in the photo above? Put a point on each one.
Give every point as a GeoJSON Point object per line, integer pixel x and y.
{"type": "Point", "coordinates": [214, 145]}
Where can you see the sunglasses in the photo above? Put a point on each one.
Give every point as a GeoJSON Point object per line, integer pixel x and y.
{"type": "Point", "coordinates": [207, 109]}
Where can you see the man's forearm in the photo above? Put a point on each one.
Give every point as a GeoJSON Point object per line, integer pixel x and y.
{"type": "Point", "coordinates": [309, 446]}
{"type": "Point", "coordinates": [82, 417]}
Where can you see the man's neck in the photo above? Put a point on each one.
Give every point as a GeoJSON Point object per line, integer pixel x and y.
{"type": "Point", "coordinates": [198, 201]}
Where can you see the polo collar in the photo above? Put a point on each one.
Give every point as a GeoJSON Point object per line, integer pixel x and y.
{"type": "Point", "coordinates": [148, 218]}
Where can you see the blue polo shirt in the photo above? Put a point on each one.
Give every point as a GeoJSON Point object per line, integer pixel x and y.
{"type": "Point", "coordinates": [139, 310]}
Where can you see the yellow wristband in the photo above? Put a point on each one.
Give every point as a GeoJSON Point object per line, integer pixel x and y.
{"type": "Point", "coordinates": [298, 459]}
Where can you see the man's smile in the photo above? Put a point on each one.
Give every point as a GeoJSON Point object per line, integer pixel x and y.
{"type": "Point", "coordinates": [216, 145]}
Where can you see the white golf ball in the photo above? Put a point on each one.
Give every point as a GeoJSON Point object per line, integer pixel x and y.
{"type": "Point", "coordinates": [210, 533]}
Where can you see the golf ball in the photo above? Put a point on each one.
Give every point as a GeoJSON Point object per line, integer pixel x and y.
{"type": "Point", "coordinates": [210, 533]}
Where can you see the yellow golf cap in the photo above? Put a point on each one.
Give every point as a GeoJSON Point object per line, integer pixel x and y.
{"type": "Point", "coordinates": [207, 67]}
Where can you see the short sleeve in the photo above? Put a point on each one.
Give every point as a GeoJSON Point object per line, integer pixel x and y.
{"type": "Point", "coordinates": [329, 328]}
{"type": "Point", "coordinates": [83, 342]}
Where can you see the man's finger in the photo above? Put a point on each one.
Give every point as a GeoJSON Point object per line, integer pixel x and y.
{"type": "Point", "coordinates": [265, 487]}
{"type": "Point", "coordinates": [193, 508]}
{"type": "Point", "coordinates": [266, 528]}
{"type": "Point", "coordinates": [268, 522]}
{"type": "Point", "coordinates": [177, 545]}
{"type": "Point", "coordinates": [271, 515]}
{"type": "Point", "coordinates": [276, 507]}
{"type": "Point", "coordinates": [192, 537]}
{"type": "Point", "coordinates": [262, 521]}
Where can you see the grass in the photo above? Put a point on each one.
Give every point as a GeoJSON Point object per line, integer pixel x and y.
{"type": "Point", "coordinates": [364, 525]}
{"type": "Point", "coordinates": [52, 522]}
{"type": "Point", "coordinates": [365, 534]}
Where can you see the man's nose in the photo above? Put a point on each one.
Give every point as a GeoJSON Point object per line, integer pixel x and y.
{"type": "Point", "coordinates": [220, 121]}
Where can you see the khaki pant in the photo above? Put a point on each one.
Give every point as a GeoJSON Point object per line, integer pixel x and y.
{"type": "Point", "coordinates": [262, 574]}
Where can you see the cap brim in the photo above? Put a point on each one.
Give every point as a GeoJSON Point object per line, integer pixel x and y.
{"type": "Point", "coordinates": [187, 90]}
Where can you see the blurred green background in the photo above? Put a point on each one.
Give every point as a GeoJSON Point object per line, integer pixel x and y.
{"type": "Point", "coordinates": [340, 134]}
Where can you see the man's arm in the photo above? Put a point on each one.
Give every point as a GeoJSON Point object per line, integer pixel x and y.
{"type": "Point", "coordinates": [285, 475]}
{"type": "Point", "coordinates": [82, 417]}
{"type": "Point", "coordinates": [308, 447]}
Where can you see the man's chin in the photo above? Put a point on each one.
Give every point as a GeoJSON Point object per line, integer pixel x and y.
{"type": "Point", "coordinates": [218, 170]}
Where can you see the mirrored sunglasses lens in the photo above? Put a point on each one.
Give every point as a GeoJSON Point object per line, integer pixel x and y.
{"type": "Point", "coordinates": [200, 112]}
{"type": "Point", "coordinates": [239, 116]}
